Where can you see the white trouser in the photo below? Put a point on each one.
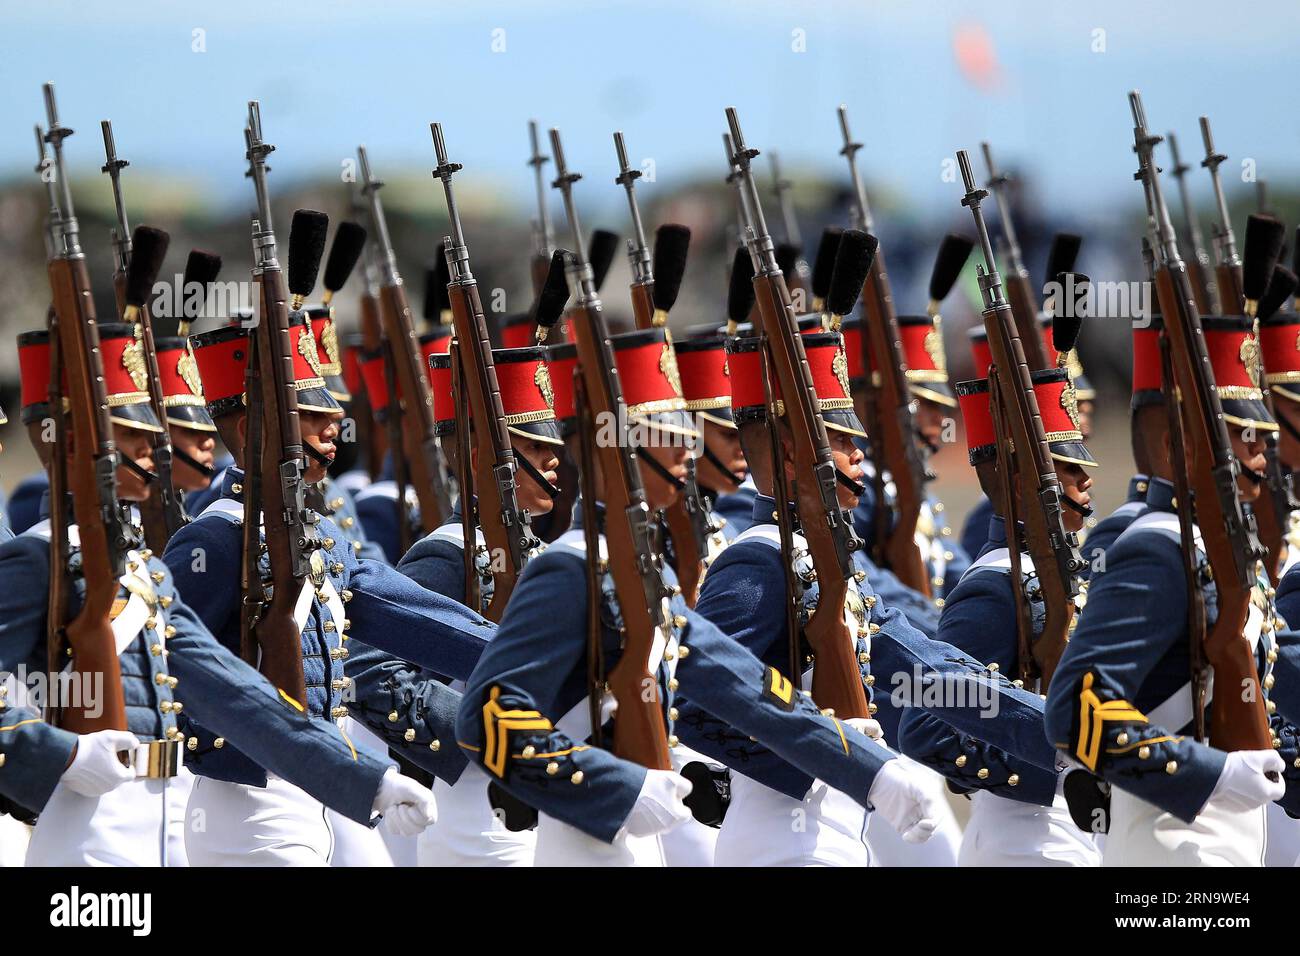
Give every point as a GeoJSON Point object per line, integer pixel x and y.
{"type": "Point", "coordinates": [356, 844]}
{"type": "Point", "coordinates": [468, 832]}
{"type": "Point", "coordinates": [232, 824]}
{"type": "Point", "coordinates": [691, 843]}
{"type": "Point", "coordinates": [125, 827]}
{"type": "Point", "coordinates": [767, 828]}
{"type": "Point", "coordinates": [1143, 835]}
{"type": "Point", "coordinates": [888, 848]}
{"type": "Point", "coordinates": [178, 798]}
{"type": "Point", "coordinates": [1004, 832]}
{"type": "Point", "coordinates": [559, 844]}
{"type": "Point", "coordinates": [14, 837]}
{"type": "Point", "coordinates": [1283, 847]}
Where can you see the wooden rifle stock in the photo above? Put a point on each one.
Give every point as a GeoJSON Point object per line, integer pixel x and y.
{"type": "Point", "coordinates": [1024, 307]}
{"type": "Point", "coordinates": [893, 418]}
{"type": "Point", "coordinates": [91, 481]}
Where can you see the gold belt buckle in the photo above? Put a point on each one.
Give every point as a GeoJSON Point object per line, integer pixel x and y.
{"type": "Point", "coordinates": [157, 759]}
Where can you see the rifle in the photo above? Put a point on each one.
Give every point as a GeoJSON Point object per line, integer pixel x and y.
{"type": "Point", "coordinates": [688, 517]}
{"type": "Point", "coordinates": [1239, 721]}
{"type": "Point", "coordinates": [837, 680]}
{"type": "Point", "coordinates": [410, 381]}
{"type": "Point", "coordinates": [889, 407]}
{"type": "Point", "coordinates": [371, 343]}
{"type": "Point", "coordinates": [506, 526]}
{"type": "Point", "coordinates": [543, 241]}
{"type": "Point", "coordinates": [640, 733]}
{"type": "Point", "coordinates": [273, 499]}
{"type": "Point", "coordinates": [1203, 285]}
{"type": "Point", "coordinates": [89, 474]}
{"type": "Point", "coordinates": [1055, 553]}
{"type": "Point", "coordinates": [162, 514]}
{"type": "Point", "coordinates": [1019, 290]}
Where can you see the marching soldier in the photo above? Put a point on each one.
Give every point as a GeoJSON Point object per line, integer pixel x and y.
{"type": "Point", "coordinates": [162, 646]}
{"type": "Point", "coordinates": [249, 810]}
{"type": "Point", "coordinates": [469, 831]}
{"type": "Point", "coordinates": [193, 435]}
{"type": "Point", "coordinates": [1121, 704]}
{"type": "Point", "coordinates": [1018, 815]}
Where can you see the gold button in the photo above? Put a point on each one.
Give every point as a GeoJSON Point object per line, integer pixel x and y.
{"type": "Point", "coordinates": [160, 679]}
{"type": "Point", "coordinates": [670, 655]}
{"type": "Point", "coordinates": [872, 708]}
{"type": "Point", "coordinates": [392, 716]}
{"type": "Point", "coordinates": [146, 553]}
{"type": "Point", "coordinates": [672, 683]}
{"type": "Point", "coordinates": [577, 777]}
{"type": "Point", "coordinates": [948, 555]}
{"type": "Point", "coordinates": [672, 713]}
{"type": "Point", "coordinates": [435, 745]}
{"type": "Point", "coordinates": [869, 601]}
{"type": "Point", "coordinates": [169, 631]}
{"type": "Point", "coordinates": [1171, 767]}
{"type": "Point", "coordinates": [552, 768]}
{"type": "Point", "coordinates": [2, 760]}
{"type": "Point", "coordinates": [132, 566]}
{"type": "Point", "coordinates": [1272, 656]}
{"type": "Point", "coordinates": [158, 577]}
{"type": "Point", "coordinates": [330, 627]}
{"type": "Point", "coordinates": [154, 649]}
{"type": "Point", "coordinates": [1013, 780]}
{"type": "Point", "coordinates": [337, 712]}
{"type": "Point", "coordinates": [993, 666]}
{"type": "Point", "coordinates": [347, 625]}
{"type": "Point", "coordinates": [336, 567]}
{"type": "Point", "coordinates": [529, 752]}
{"type": "Point", "coordinates": [937, 507]}
{"type": "Point", "coordinates": [336, 503]}
{"type": "Point", "coordinates": [328, 544]}
{"type": "Point", "coordinates": [409, 735]}
{"type": "Point", "coordinates": [177, 707]}
{"type": "Point", "coordinates": [679, 620]}
{"type": "Point", "coordinates": [1017, 683]}
{"type": "Point", "coordinates": [219, 743]}
{"type": "Point", "coordinates": [683, 652]}
{"type": "Point", "coordinates": [961, 761]}
{"type": "Point", "coordinates": [1268, 682]}
{"type": "Point", "coordinates": [339, 683]}
{"type": "Point", "coordinates": [192, 743]}
{"type": "Point", "coordinates": [1144, 752]}
{"type": "Point", "coordinates": [1121, 738]}
{"type": "Point", "coordinates": [356, 547]}
{"type": "Point", "coordinates": [982, 773]}
{"type": "Point", "coordinates": [873, 628]}
{"type": "Point", "coordinates": [859, 576]}
{"type": "Point", "coordinates": [346, 595]}
{"type": "Point", "coordinates": [165, 706]}
{"type": "Point", "coordinates": [946, 531]}
{"type": "Point", "coordinates": [236, 487]}
{"type": "Point", "coordinates": [939, 603]}
{"type": "Point", "coordinates": [672, 740]}
{"type": "Point", "coordinates": [347, 522]}
{"type": "Point", "coordinates": [165, 600]}
{"type": "Point", "coordinates": [870, 680]}
{"type": "Point", "coordinates": [150, 623]}
{"type": "Point", "coordinates": [864, 657]}
{"type": "Point", "coordinates": [828, 711]}
{"type": "Point", "coordinates": [676, 589]}
{"type": "Point", "coordinates": [1272, 707]}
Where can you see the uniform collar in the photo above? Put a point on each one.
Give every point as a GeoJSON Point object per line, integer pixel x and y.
{"type": "Point", "coordinates": [577, 523]}
{"type": "Point", "coordinates": [998, 533]}
{"type": "Point", "coordinates": [765, 510]}
{"type": "Point", "coordinates": [232, 483]}
{"type": "Point", "coordinates": [1137, 488]}
{"type": "Point", "coordinates": [1160, 495]}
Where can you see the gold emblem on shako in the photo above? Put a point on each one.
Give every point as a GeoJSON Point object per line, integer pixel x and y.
{"type": "Point", "coordinates": [542, 379]}
{"type": "Point", "coordinates": [668, 365]}
{"type": "Point", "coordinates": [934, 347]}
{"type": "Point", "coordinates": [307, 349]}
{"type": "Point", "coordinates": [188, 369]}
{"type": "Point", "coordinates": [1070, 402]}
{"type": "Point", "coordinates": [133, 362]}
{"type": "Point", "coordinates": [1249, 356]}
{"type": "Point", "coordinates": [840, 366]}
{"type": "Point", "coordinates": [329, 339]}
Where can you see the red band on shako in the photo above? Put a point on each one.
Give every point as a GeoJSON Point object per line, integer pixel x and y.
{"type": "Point", "coordinates": [562, 360]}
{"type": "Point", "coordinates": [34, 373]}
{"type": "Point", "coordinates": [1280, 341]}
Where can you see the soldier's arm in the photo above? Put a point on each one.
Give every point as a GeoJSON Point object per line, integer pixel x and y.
{"type": "Point", "coordinates": [205, 560]}
{"type": "Point", "coordinates": [408, 707]}
{"type": "Point", "coordinates": [235, 701]}
{"type": "Point", "coordinates": [1288, 736]}
{"type": "Point", "coordinates": [377, 514]}
{"type": "Point", "coordinates": [33, 756]}
{"type": "Point", "coordinates": [394, 614]}
{"type": "Point", "coordinates": [1136, 610]}
{"type": "Point", "coordinates": [1286, 669]}
{"type": "Point", "coordinates": [919, 610]}
{"type": "Point", "coordinates": [961, 680]}
{"type": "Point", "coordinates": [509, 710]}
{"type": "Point", "coordinates": [24, 563]}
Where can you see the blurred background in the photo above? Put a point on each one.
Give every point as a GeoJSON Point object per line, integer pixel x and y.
{"type": "Point", "coordinates": [1044, 83]}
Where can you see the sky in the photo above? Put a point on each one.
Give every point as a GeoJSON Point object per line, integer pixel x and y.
{"type": "Point", "coordinates": [1045, 82]}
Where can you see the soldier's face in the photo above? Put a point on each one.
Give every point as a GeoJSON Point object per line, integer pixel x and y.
{"type": "Point", "coordinates": [725, 444]}
{"type": "Point", "coordinates": [848, 459]}
{"type": "Point", "coordinates": [1075, 482]}
{"type": "Point", "coordinates": [541, 456]}
{"type": "Point", "coordinates": [670, 452]}
{"type": "Point", "coordinates": [320, 431]}
{"type": "Point", "coordinates": [134, 445]}
{"type": "Point", "coordinates": [199, 445]}
{"type": "Point", "coordinates": [1248, 446]}
{"type": "Point", "coordinates": [929, 418]}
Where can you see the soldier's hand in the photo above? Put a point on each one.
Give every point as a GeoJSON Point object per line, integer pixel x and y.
{"type": "Point", "coordinates": [659, 806]}
{"type": "Point", "coordinates": [898, 797]}
{"type": "Point", "coordinates": [1243, 785]}
{"type": "Point", "coordinates": [408, 807]}
{"type": "Point", "coordinates": [866, 725]}
{"type": "Point", "coordinates": [96, 767]}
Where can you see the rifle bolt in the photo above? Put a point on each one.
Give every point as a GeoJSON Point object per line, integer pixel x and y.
{"type": "Point", "coordinates": [577, 777]}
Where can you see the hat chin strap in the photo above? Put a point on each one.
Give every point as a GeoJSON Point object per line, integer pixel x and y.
{"type": "Point", "coordinates": [856, 487]}
{"type": "Point", "coordinates": [207, 471]}
{"type": "Point", "coordinates": [551, 491]}
{"type": "Point", "coordinates": [648, 460]}
{"type": "Point", "coordinates": [142, 473]}
{"type": "Point", "coordinates": [1077, 508]}
{"type": "Point", "coordinates": [728, 475]}
{"type": "Point", "coordinates": [313, 453]}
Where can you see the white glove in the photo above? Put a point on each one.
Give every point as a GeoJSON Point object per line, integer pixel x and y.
{"type": "Point", "coordinates": [866, 725]}
{"type": "Point", "coordinates": [408, 807]}
{"type": "Point", "coordinates": [96, 767]}
{"type": "Point", "coordinates": [659, 805]}
{"type": "Point", "coordinates": [1242, 785]}
{"type": "Point", "coordinates": [896, 795]}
